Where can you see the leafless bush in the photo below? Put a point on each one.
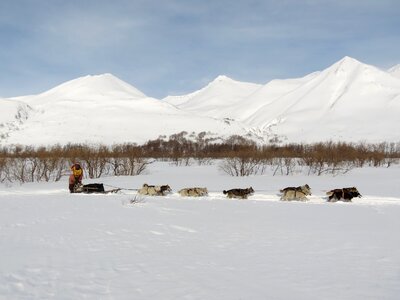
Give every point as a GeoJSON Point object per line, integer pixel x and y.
{"type": "Point", "coordinates": [240, 166]}
{"type": "Point", "coordinates": [127, 166]}
{"type": "Point", "coordinates": [136, 199]}
{"type": "Point", "coordinates": [53, 168]}
{"type": "Point", "coordinates": [181, 161]}
{"type": "Point", "coordinates": [127, 160]}
{"type": "Point", "coordinates": [284, 165]}
{"type": "Point", "coordinates": [204, 161]}
{"type": "Point", "coordinates": [240, 157]}
{"type": "Point", "coordinates": [94, 160]}
{"type": "Point", "coordinates": [3, 169]}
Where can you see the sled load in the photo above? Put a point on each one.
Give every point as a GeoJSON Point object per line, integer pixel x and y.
{"type": "Point", "coordinates": [92, 188]}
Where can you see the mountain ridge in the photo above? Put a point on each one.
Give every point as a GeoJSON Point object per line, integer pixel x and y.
{"type": "Point", "coordinates": [347, 94]}
{"type": "Point", "coordinates": [337, 103]}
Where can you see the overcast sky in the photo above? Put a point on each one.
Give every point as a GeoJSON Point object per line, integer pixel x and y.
{"type": "Point", "coordinates": [173, 47]}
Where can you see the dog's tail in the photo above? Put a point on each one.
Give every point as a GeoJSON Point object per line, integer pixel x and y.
{"type": "Point", "coordinates": [282, 190]}
{"type": "Point", "coordinates": [330, 193]}
{"type": "Point", "coordinates": [225, 192]}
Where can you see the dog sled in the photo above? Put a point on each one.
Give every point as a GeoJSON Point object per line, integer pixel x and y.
{"type": "Point", "coordinates": [93, 188]}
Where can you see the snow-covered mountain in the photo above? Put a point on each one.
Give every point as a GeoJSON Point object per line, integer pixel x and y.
{"type": "Point", "coordinates": [99, 87]}
{"type": "Point", "coordinates": [222, 94]}
{"type": "Point", "coordinates": [104, 109]}
{"type": "Point", "coordinates": [348, 101]}
{"type": "Point", "coordinates": [13, 114]}
{"type": "Point", "coordinates": [395, 70]}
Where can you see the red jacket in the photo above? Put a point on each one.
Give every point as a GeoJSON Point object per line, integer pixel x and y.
{"type": "Point", "coordinates": [77, 174]}
{"type": "Point", "coordinates": [75, 179]}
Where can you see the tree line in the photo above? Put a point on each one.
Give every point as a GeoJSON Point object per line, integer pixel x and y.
{"type": "Point", "coordinates": [237, 156]}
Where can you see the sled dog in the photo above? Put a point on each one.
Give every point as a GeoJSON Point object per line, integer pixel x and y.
{"type": "Point", "coordinates": [347, 194]}
{"type": "Point", "coordinates": [305, 189]}
{"type": "Point", "coordinates": [193, 192]}
{"type": "Point", "coordinates": [296, 193]}
{"type": "Point", "coordinates": [154, 190]}
{"type": "Point", "coordinates": [239, 193]}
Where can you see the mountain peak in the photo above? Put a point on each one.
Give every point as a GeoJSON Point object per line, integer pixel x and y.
{"type": "Point", "coordinates": [348, 59]}
{"type": "Point", "coordinates": [347, 63]}
{"type": "Point", "coordinates": [225, 80]}
{"type": "Point", "coordinates": [350, 66]}
{"type": "Point", "coordinates": [222, 78]}
{"type": "Point", "coordinates": [94, 86]}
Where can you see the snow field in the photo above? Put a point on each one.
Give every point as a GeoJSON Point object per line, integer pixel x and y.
{"type": "Point", "coordinates": [56, 245]}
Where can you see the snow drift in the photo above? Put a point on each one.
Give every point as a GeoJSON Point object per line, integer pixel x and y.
{"type": "Point", "coordinates": [56, 245]}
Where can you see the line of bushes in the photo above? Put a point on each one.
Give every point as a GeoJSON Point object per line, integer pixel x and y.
{"type": "Point", "coordinates": [238, 156]}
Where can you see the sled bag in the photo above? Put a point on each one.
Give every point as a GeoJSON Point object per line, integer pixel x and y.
{"type": "Point", "coordinates": [93, 188]}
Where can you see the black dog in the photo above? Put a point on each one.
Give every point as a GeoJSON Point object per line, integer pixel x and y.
{"type": "Point", "coordinates": [239, 193]}
{"type": "Point", "coordinates": [347, 194]}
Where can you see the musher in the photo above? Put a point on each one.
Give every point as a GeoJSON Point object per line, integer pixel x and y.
{"type": "Point", "coordinates": [75, 179]}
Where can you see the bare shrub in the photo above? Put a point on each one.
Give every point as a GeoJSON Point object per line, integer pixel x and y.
{"type": "Point", "coordinates": [19, 170]}
{"type": "Point", "coordinates": [3, 168]}
{"type": "Point", "coordinates": [284, 165]}
{"type": "Point", "coordinates": [95, 159]}
{"type": "Point", "coordinates": [240, 157]}
{"type": "Point", "coordinates": [128, 160]}
{"type": "Point", "coordinates": [135, 200]}
{"type": "Point", "coordinates": [240, 166]}
{"type": "Point", "coordinates": [204, 161]}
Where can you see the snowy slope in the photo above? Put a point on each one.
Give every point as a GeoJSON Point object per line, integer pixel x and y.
{"type": "Point", "coordinates": [220, 95]}
{"type": "Point", "coordinates": [13, 114]}
{"type": "Point", "coordinates": [104, 109]}
{"type": "Point", "coordinates": [348, 101]}
{"type": "Point", "coordinates": [225, 97]}
{"type": "Point", "coordinates": [103, 86]}
{"type": "Point", "coordinates": [395, 70]}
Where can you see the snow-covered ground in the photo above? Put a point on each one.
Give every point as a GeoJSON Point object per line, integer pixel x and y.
{"type": "Point", "coordinates": [56, 245]}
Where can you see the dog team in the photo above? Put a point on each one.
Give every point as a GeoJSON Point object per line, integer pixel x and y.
{"type": "Point", "coordinates": [298, 193]}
